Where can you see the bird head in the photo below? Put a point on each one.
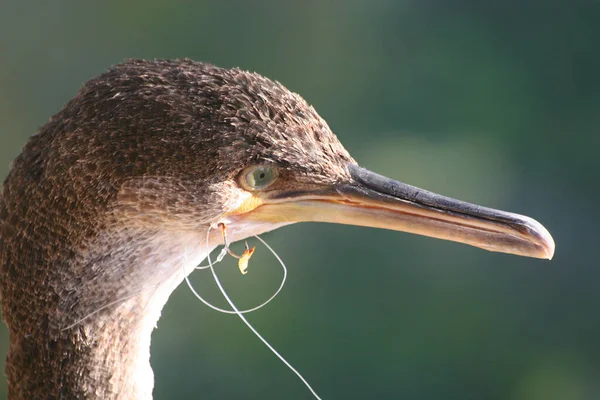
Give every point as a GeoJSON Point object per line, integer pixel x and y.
{"type": "Point", "coordinates": [193, 145]}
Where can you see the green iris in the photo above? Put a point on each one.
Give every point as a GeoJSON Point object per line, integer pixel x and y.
{"type": "Point", "coordinates": [260, 177]}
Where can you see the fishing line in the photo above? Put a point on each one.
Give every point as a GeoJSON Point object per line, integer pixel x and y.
{"type": "Point", "coordinates": [220, 257]}
{"type": "Point", "coordinates": [240, 314]}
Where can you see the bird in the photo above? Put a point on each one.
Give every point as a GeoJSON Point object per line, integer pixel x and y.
{"type": "Point", "coordinates": [109, 205]}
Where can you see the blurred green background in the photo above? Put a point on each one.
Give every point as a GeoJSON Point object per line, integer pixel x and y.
{"type": "Point", "coordinates": [495, 103]}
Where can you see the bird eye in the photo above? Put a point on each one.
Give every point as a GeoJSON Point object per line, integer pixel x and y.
{"type": "Point", "coordinates": [257, 178]}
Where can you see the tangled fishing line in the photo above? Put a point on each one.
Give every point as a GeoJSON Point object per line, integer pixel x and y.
{"type": "Point", "coordinates": [243, 262]}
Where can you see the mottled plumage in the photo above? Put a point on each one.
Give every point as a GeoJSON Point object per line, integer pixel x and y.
{"type": "Point", "coordinates": [145, 148]}
{"type": "Point", "coordinates": [108, 206]}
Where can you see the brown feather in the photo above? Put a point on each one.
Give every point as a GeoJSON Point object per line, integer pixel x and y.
{"type": "Point", "coordinates": [146, 150]}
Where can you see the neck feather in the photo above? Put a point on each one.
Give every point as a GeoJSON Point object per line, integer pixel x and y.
{"type": "Point", "coordinates": [110, 314]}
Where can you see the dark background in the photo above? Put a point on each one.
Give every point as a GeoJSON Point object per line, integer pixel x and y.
{"type": "Point", "coordinates": [495, 103]}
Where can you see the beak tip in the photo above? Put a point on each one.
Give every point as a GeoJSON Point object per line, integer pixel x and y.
{"type": "Point", "coordinates": [550, 248]}
{"type": "Point", "coordinates": [547, 244]}
{"type": "Point", "coordinates": [549, 251]}
{"type": "Point", "coordinates": [544, 239]}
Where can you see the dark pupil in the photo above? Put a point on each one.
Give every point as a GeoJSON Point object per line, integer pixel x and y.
{"type": "Point", "coordinates": [262, 175]}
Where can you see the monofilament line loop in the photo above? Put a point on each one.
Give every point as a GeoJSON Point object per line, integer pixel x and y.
{"type": "Point", "coordinates": [243, 318]}
{"type": "Point", "coordinates": [220, 257]}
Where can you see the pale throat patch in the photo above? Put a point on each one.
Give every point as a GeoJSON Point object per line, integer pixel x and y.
{"type": "Point", "coordinates": [174, 257]}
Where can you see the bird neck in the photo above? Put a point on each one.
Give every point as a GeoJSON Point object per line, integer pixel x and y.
{"type": "Point", "coordinates": [93, 338]}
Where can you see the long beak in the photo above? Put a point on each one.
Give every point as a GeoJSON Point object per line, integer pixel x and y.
{"type": "Point", "coordinates": [376, 201]}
